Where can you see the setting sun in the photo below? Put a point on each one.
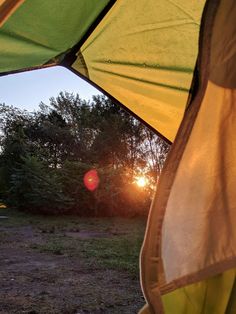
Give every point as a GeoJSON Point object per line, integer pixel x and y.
{"type": "Point", "coordinates": [141, 181]}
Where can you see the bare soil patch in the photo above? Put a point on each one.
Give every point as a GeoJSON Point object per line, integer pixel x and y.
{"type": "Point", "coordinates": [62, 271]}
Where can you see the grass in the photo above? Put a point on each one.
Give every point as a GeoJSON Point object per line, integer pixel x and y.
{"type": "Point", "coordinates": [70, 264]}
{"type": "Point", "coordinates": [118, 253]}
{"type": "Point", "coordinates": [118, 249]}
{"type": "Point", "coordinates": [50, 247]}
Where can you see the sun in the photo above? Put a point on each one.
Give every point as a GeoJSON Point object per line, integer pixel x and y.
{"type": "Point", "coordinates": [141, 181]}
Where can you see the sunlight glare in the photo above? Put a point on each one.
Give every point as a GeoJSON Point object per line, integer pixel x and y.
{"type": "Point", "coordinates": [141, 181]}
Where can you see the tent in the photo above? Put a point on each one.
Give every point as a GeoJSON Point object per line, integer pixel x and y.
{"type": "Point", "coordinates": [172, 63]}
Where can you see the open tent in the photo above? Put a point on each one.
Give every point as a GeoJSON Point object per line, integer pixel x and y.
{"type": "Point", "coordinates": [171, 63]}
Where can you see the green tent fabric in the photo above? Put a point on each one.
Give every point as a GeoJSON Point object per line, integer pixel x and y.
{"type": "Point", "coordinates": [116, 51]}
{"type": "Point", "coordinates": [42, 32]}
{"type": "Point", "coordinates": [149, 57]}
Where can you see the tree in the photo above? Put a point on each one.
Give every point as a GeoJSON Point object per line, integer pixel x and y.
{"type": "Point", "coordinates": [36, 189]}
{"type": "Point", "coordinates": [155, 150]}
{"type": "Point", "coordinates": [45, 155]}
{"type": "Point", "coordinates": [13, 148]}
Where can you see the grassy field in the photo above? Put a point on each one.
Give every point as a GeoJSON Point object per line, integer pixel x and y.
{"type": "Point", "coordinates": [69, 264]}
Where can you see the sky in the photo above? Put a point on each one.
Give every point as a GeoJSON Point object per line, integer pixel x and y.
{"type": "Point", "coordinates": [26, 90]}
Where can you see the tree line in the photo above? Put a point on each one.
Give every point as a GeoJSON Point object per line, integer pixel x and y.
{"type": "Point", "coordinates": [45, 155]}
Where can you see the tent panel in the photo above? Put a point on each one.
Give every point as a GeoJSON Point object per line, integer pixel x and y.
{"type": "Point", "coordinates": [223, 58]}
{"type": "Point", "coordinates": [7, 7]}
{"type": "Point", "coordinates": [80, 65]}
{"type": "Point", "coordinates": [206, 177]}
{"type": "Point", "coordinates": [190, 234]}
{"type": "Point", "coordinates": [210, 296]}
{"type": "Point", "coordinates": [151, 109]}
{"type": "Point", "coordinates": [42, 30]}
{"type": "Point", "coordinates": [150, 77]}
{"type": "Point", "coordinates": [214, 295]}
{"type": "Point", "coordinates": [200, 212]}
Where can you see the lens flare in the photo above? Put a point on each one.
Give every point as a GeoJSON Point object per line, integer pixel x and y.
{"type": "Point", "coordinates": [91, 180]}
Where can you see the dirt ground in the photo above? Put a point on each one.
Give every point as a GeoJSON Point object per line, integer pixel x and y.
{"type": "Point", "coordinates": [37, 276]}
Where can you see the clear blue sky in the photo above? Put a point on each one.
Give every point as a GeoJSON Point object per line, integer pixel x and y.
{"type": "Point", "coordinates": [26, 90]}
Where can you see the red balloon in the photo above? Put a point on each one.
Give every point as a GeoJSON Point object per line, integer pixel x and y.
{"type": "Point", "coordinates": [91, 180]}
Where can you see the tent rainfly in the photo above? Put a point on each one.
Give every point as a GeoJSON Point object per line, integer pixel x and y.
{"type": "Point", "coordinates": [172, 64]}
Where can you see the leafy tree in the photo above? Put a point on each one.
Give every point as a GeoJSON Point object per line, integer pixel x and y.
{"type": "Point", "coordinates": [71, 175]}
{"type": "Point", "coordinates": [155, 150]}
{"type": "Point", "coordinates": [50, 137]}
{"type": "Point", "coordinates": [36, 189]}
{"type": "Point", "coordinates": [13, 149]}
{"type": "Point", "coordinates": [45, 154]}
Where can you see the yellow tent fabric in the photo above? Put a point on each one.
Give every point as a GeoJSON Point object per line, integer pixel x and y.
{"type": "Point", "coordinates": [143, 54]}
{"type": "Point", "coordinates": [191, 234]}
{"type": "Point", "coordinates": [214, 295]}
